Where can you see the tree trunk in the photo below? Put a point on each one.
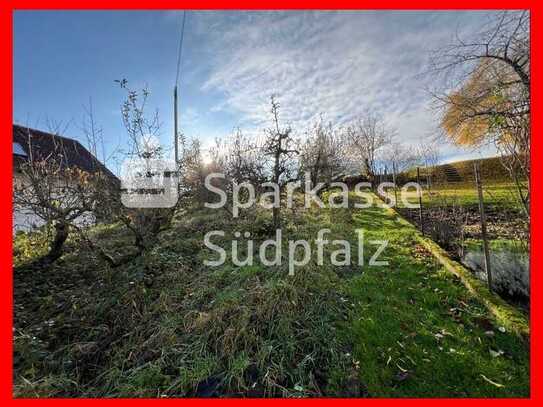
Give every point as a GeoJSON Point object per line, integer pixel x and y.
{"type": "Point", "coordinates": [57, 247]}
{"type": "Point", "coordinates": [276, 176]}
{"type": "Point", "coordinates": [276, 218]}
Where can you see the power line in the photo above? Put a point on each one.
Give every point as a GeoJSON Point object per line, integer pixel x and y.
{"type": "Point", "coordinates": [180, 49]}
{"type": "Point", "coordinates": [175, 121]}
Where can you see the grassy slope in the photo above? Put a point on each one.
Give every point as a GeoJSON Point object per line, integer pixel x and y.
{"type": "Point", "coordinates": [164, 325]}
{"type": "Point", "coordinates": [499, 196]}
{"type": "Point", "coordinates": [414, 316]}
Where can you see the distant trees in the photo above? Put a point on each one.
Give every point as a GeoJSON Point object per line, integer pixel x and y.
{"type": "Point", "coordinates": [367, 139]}
{"type": "Point", "coordinates": [192, 173]}
{"type": "Point", "coordinates": [240, 158]}
{"type": "Point", "coordinates": [490, 100]}
{"type": "Point", "coordinates": [427, 153]}
{"type": "Point", "coordinates": [399, 157]}
{"type": "Point", "coordinates": [323, 153]}
{"type": "Point", "coordinates": [326, 153]}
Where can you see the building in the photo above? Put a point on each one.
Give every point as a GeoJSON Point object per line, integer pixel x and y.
{"type": "Point", "coordinates": [36, 145]}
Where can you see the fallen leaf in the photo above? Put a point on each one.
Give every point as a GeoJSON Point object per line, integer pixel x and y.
{"type": "Point", "coordinates": [495, 354]}
{"type": "Point", "coordinates": [492, 382]}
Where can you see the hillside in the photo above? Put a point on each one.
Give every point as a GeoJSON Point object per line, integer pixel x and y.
{"type": "Point", "coordinates": [492, 170]}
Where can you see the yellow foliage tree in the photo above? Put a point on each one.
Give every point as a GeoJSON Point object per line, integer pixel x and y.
{"type": "Point", "coordinates": [487, 107]}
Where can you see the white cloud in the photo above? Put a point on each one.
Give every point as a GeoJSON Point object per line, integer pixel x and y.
{"type": "Point", "coordinates": [334, 63]}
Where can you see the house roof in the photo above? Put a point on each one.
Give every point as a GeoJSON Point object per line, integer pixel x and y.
{"type": "Point", "coordinates": [40, 145]}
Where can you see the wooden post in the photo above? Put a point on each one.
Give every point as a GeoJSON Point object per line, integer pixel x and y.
{"type": "Point", "coordinates": [428, 180]}
{"type": "Point", "coordinates": [419, 189]}
{"type": "Point", "coordinates": [483, 224]}
{"type": "Point", "coordinates": [395, 186]}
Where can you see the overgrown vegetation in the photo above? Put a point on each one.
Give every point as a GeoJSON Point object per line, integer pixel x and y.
{"type": "Point", "coordinates": [114, 295]}
{"type": "Point", "coordinates": [164, 325]}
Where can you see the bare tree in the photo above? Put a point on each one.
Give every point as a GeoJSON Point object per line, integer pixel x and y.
{"type": "Point", "coordinates": [504, 40]}
{"type": "Point", "coordinates": [142, 223]}
{"type": "Point", "coordinates": [193, 172]}
{"type": "Point", "coordinates": [241, 158]}
{"type": "Point", "coordinates": [62, 196]}
{"type": "Point", "coordinates": [280, 146]}
{"type": "Point", "coordinates": [427, 155]}
{"type": "Point", "coordinates": [399, 156]}
{"type": "Point", "coordinates": [367, 139]}
{"type": "Point", "coordinates": [143, 133]}
{"type": "Point", "coordinates": [323, 153]}
{"type": "Point", "coordinates": [93, 133]}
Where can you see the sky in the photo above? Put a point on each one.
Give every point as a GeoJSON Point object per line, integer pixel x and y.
{"type": "Point", "coordinates": [335, 65]}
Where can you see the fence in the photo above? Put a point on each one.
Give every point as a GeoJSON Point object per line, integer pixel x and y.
{"type": "Point", "coordinates": [474, 211]}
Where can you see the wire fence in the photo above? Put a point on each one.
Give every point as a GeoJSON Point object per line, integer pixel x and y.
{"type": "Point", "coordinates": [474, 211]}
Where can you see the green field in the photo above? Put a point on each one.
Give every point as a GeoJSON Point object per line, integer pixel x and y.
{"type": "Point", "coordinates": [165, 325]}
{"type": "Point", "coordinates": [501, 196]}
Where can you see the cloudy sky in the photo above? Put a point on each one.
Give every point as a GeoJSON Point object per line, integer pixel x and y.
{"type": "Point", "coordinates": [334, 64]}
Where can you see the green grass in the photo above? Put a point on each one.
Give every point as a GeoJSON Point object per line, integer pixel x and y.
{"type": "Point", "coordinates": [419, 332]}
{"type": "Point", "coordinates": [497, 196]}
{"type": "Point", "coordinates": [164, 325]}
{"type": "Point", "coordinates": [508, 245]}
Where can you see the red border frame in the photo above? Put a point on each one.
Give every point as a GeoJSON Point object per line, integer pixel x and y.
{"type": "Point", "coordinates": [6, 117]}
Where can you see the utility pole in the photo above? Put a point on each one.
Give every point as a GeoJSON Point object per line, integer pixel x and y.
{"type": "Point", "coordinates": [175, 124]}
{"type": "Point", "coordinates": [175, 130]}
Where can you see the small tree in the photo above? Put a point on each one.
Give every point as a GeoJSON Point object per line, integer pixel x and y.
{"type": "Point", "coordinates": [62, 197]}
{"type": "Point", "coordinates": [427, 155]}
{"type": "Point", "coordinates": [193, 172]}
{"type": "Point", "coordinates": [280, 147]}
{"type": "Point", "coordinates": [143, 146]}
{"type": "Point", "coordinates": [144, 223]}
{"type": "Point", "coordinates": [239, 158]}
{"type": "Point", "coordinates": [242, 160]}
